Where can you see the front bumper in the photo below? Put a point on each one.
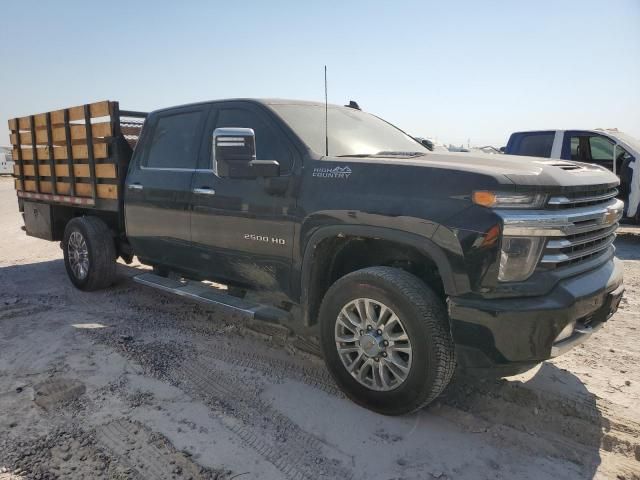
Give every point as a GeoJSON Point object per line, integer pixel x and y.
{"type": "Point", "coordinates": [516, 333]}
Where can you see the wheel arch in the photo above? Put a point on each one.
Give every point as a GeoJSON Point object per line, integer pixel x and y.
{"type": "Point", "coordinates": [325, 245]}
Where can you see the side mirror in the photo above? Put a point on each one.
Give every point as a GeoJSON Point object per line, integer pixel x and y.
{"type": "Point", "coordinates": [234, 145]}
{"type": "Point", "coordinates": [235, 155]}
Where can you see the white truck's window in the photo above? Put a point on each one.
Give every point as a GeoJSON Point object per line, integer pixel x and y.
{"type": "Point", "coordinates": [173, 142]}
{"type": "Point", "coordinates": [601, 150]}
{"type": "Point", "coordinates": [537, 145]}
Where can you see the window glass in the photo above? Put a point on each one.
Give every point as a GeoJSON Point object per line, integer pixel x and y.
{"type": "Point", "coordinates": [173, 144]}
{"type": "Point", "coordinates": [269, 142]}
{"type": "Point", "coordinates": [601, 149]}
{"type": "Point", "coordinates": [575, 148]}
{"type": "Point", "coordinates": [537, 145]}
{"type": "Point", "coordinates": [350, 131]}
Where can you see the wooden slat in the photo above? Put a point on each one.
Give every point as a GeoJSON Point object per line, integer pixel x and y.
{"type": "Point", "coordinates": [82, 189]}
{"type": "Point", "coordinates": [78, 132]}
{"type": "Point", "coordinates": [98, 109]}
{"type": "Point", "coordinates": [103, 170]}
{"type": "Point", "coordinates": [100, 150]}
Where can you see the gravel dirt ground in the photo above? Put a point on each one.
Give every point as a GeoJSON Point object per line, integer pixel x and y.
{"type": "Point", "coordinates": [131, 383]}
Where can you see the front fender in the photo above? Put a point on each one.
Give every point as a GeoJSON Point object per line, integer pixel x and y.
{"type": "Point", "coordinates": [454, 282]}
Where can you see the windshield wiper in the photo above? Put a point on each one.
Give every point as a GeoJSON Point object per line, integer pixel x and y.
{"type": "Point", "coordinates": [358, 155]}
{"type": "Point", "coordinates": [400, 154]}
{"type": "Point", "coordinates": [384, 154]}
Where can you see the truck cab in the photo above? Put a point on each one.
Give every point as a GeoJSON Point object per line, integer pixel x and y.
{"type": "Point", "coordinates": [609, 148]}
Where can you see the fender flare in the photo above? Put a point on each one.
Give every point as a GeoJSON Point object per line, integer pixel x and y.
{"type": "Point", "coordinates": [420, 243]}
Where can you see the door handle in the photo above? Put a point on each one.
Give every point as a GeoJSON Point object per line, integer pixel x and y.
{"type": "Point", "coordinates": [135, 186]}
{"type": "Point", "coordinates": [204, 191]}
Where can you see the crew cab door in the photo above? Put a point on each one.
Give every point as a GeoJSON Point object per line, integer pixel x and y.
{"type": "Point", "coordinates": [242, 228]}
{"type": "Point", "coordinates": [158, 187]}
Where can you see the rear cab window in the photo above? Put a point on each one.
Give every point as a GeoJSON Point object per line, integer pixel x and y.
{"type": "Point", "coordinates": [534, 144]}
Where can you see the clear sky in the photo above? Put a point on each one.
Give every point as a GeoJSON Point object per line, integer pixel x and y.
{"type": "Point", "coordinates": [447, 69]}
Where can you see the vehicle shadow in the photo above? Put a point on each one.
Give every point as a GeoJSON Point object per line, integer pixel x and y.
{"type": "Point", "coordinates": [628, 243]}
{"type": "Point", "coordinates": [49, 278]}
{"type": "Point", "coordinates": [548, 410]}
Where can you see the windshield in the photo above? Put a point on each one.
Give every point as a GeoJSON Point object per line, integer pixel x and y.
{"type": "Point", "coordinates": [351, 131]}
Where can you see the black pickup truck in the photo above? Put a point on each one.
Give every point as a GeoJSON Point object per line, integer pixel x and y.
{"type": "Point", "coordinates": [411, 262]}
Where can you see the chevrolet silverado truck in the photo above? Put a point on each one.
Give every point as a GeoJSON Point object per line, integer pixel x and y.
{"type": "Point", "coordinates": [409, 262]}
{"type": "Point", "coordinates": [609, 148]}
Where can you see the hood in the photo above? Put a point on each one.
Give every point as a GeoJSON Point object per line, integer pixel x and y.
{"type": "Point", "coordinates": [522, 173]}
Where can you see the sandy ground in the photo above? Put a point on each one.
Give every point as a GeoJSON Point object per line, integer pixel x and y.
{"type": "Point", "coordinates": [133, 383]}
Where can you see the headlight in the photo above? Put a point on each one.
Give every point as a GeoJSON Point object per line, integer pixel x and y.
{"type": "Point", "coordinates": [508, 200]}
{"type": "Point", "coordinates": [519, 257]}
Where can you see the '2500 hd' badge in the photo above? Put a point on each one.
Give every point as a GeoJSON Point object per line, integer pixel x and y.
{"type": "Point", "coordinates": [335, 172]}
{"type": "Point", "coordinates": [265, 238]}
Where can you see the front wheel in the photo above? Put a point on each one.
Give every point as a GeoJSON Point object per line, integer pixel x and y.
{"type": "Point", "coordinates": [386, 340]}
{"type": "Point", "coordinates": [89, 253]}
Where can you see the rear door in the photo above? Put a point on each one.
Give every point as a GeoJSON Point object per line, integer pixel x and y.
{"type": "Point", "coordinates": [242, 228]}
{"type": "Point", "coordinates": [158, 187]}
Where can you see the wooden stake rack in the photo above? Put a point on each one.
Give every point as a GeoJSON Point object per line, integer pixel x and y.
{"type": "Point", "coordinates": [70, 155]}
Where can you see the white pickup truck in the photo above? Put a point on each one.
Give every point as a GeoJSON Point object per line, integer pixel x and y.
{"type": "Point", "coordinates": [6, 163]}
{"type": "Point", "coordinates": [610, 148]}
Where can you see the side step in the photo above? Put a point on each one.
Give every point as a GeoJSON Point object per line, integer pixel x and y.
{"type": "Point", "coordinates": [203, 293]}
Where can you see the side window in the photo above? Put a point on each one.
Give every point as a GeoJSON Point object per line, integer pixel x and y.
{"type": "Point", "coordinates": [269, 142]}
{"type": "Point", "coordinates": [173, 141]}
{"type": "Point", "coordinates": [536, 145]}
{"type": "Point", "coordinates": [601, 151]}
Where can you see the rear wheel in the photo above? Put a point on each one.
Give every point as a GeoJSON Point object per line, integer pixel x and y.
{"type": "Point", "coordinates": [89, 253]}
{"type": "Point", "coordinates": [386, 340]}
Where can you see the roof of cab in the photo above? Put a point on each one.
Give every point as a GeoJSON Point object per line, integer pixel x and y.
{"type": "Point", "coordinates": [263, 101]}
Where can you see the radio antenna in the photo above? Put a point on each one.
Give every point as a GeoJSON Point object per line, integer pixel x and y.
{"type": "Point", "coordinates": [326, 115]}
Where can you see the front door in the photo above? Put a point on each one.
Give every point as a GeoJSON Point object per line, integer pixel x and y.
{"type": "Point", "coordinates": [158, 187]}
{"type": "Point", "coordinates": [588, 147]}
{"type": "Point", "coordinates": [242, 228]}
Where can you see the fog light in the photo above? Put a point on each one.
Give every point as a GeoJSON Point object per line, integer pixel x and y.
{"type": "Point", "coordinates": [566, 332]}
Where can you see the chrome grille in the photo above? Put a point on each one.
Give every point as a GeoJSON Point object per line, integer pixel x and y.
{"type": "Point", "coordinates": [581, 199]}
{"type": "Point", "coordinates": [582, 228]}
{"type": "Point", "coordinates": [578, 247]}
{"type": "Point", "coordinates": [588, 235]}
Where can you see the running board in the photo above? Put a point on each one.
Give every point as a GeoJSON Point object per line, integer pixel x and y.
{"type": "Point", "coordinates": [203, 293]}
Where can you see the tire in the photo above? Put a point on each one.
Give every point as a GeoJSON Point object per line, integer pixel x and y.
{"type": "Point", "coordinates": [100, 270]}
{"type": "Point", "coordinates": [423, 318]}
